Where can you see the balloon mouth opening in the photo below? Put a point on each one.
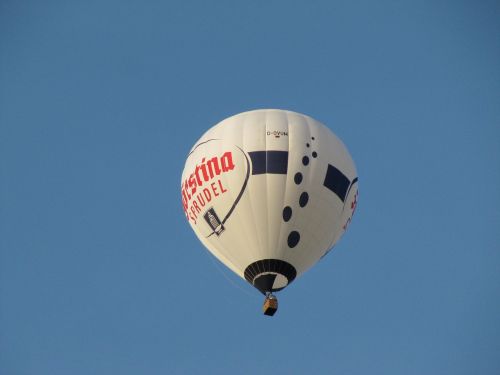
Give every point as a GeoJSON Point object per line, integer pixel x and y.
{"type": "Point", "coordinates": [270, 275]}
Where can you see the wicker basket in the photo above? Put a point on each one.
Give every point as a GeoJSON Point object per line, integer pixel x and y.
{"type": "Point", "coordinates": [270, 306]}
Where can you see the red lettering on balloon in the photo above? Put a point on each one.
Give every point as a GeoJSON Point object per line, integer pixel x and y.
{"type": "Point", "coordinates": [194, 190]}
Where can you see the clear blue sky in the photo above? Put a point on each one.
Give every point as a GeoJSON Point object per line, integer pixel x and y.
{"type": "Point", "coordinates": [100, 101]}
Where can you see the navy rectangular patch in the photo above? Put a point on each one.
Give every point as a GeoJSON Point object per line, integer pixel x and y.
{"type": "Point", "coordinates": [275, 162]}
{"type": "Point", "coordinates": [337, 182]}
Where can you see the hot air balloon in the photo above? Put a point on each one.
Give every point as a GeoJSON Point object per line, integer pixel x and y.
{"type": "Point", "coordinates": [269, 193]}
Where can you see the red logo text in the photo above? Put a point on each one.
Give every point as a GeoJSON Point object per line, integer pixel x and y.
{"type": "Point", "coordinates": [203, 185]}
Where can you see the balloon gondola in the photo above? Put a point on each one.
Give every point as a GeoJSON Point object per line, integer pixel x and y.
{"type": "Point", "coordinates": [270, 304]}
{"type": "Point", "coordinates": [269, 193]}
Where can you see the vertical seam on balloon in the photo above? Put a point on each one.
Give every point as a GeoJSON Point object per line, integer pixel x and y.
{"type": "Point", "coordinates": [260, 250]}
{"type": "Point", "coordinates": [288, 183]}
{"type": "Point", "coordinates": [250, 198]}
{"type": "Point", "coordinates": [236, 213]}
{"type": "Point", "coordinates": [266, 183]}
{"type": "Point", "coordinates": [306, 180]}
{"type": "Point", "coordinates": [281, 228]}
{"type": "Point", "coordinates": [269, 250]}
{"type": "Point", "coordinates": [229, 255]}
{"type": "Point", "coordinates": [251, 221]}
{"type": "Point", "coordinates": [314, 161]}
{"type": "Point", "coordinates": [335, 237]}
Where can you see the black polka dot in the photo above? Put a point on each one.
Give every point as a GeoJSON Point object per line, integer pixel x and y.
{"type": "Point", "coordinates": [312, 138]}
{"type": "Point", "coordinates": [315, 154]}
{"type": "Point", "coordinates": [305, 160]}
{"type": "Point", "coordinates": [293, 239]}
{"type": "Point", "coordinates": [287, 213]}
{"type": "Point", "coordinates": [304, 198]}
{"type": "Point", "coordinates": [298, 178]}
{"type": "Point", "coordinates": [307, 144]}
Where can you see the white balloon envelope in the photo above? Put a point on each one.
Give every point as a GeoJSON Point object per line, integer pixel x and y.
{"type": "Point", "coordinates": [269, 192]}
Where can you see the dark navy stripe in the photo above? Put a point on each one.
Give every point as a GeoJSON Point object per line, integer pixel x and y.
{"type": "Point", "coordinates": [275, 162]}
{"type": "Point", "coordinates": [337, 182]}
